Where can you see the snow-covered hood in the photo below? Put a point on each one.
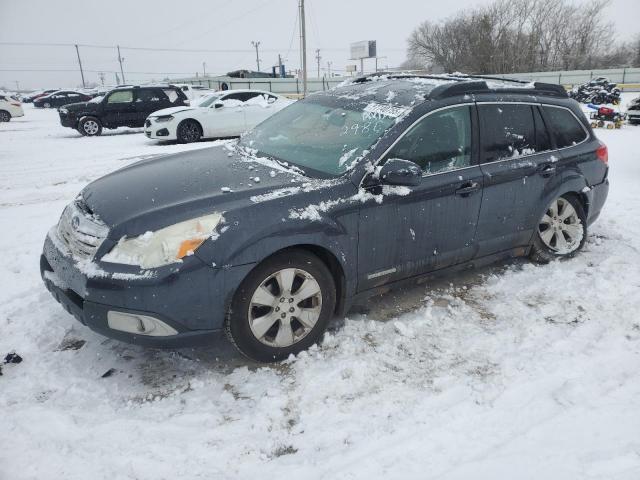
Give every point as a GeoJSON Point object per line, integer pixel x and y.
{"type": "Point", "coordinates": [171, 111]}
{"type": "Point", "coordinates": [157, 192]}
{"type": "Point", "coordinates": [82, 106]}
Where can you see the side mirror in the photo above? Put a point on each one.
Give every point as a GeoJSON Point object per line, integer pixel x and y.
{"type": "Point", "coordinates": [400, 172]}
{"type": "Point", "coordinates": [218, 105]}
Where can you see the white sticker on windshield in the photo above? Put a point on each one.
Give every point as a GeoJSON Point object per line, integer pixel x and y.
{"type": "Point", "coordinates": [377, 110]}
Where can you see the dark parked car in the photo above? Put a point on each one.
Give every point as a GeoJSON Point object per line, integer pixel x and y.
{"type": "Point", "coordinates": [121, 107]}
{"type": "Point", "coordinates": [30, 98]}
{"type": "Point", "coordinates": [327, 202]}
{"type": "Point", "coordinates": [60, 98]}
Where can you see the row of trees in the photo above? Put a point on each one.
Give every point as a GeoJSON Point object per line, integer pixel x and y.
{"type": "Point", "coordinates": [511, 36]}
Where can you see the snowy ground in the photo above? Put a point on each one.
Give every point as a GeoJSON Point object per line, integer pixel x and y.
{"type": "Point", "coordinates": [516, 371]}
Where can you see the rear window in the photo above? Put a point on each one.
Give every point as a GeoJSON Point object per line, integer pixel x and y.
{"type": "Point", "coordinates": [149, 95]}
{"type": "Point", "coordinates": [566, 128]}
{"type": "Point", "coordinates": [171, 93]}
{"type": "Point", "coordinates": [508, 131]}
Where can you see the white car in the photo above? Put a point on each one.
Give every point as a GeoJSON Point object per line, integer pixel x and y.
{"type": "Point", "coordinates": [9, 108]}
{"type": "Point", "coordinates": [221, 114]}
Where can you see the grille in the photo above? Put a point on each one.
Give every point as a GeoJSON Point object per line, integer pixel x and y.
{"type": "Point", "coordinates": [147, 123]}
{"type": "Point", "coordinates": [81, 231]}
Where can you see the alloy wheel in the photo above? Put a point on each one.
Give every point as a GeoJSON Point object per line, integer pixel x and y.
{"type": "Point", "coordinates": [189, 132]}
{"type": "Point", "coordinates": [90, 127]}
{"type": "Point", "coordinates": [560, 228]}
{"type": "Point", "coordinates": [4, 117]}
{"type": "Point", "coordinates": [285, 307]}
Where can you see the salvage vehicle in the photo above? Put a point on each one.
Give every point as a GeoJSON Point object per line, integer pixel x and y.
{"type": "Point", "coordinates": [121, 107]}
{"type": "Point", "coordinates": [10, 108]}
{"type": "Point", "coordinates": [333, 199]}
{"type": "Point", "coordinates": [60, 98]}
{"type": "Point", "coordinates": [217, 115]}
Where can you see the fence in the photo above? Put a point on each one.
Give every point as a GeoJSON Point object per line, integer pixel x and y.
{"type": "Point", "coordinates": [627, 78]}
{"type": "Point", "coordinates": [286, 86]}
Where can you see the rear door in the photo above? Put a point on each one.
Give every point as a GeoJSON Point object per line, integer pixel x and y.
{"type": "Point", "coordinates": [519, 167]}
{"type": "Point", "coordinates": [147, 101]}
{"type": "Point", "coordinates": [433, 225]}
{"type": "Point", "coordinates": [258, 107]}
{"type": "Point", "coordinates": [118, 108]}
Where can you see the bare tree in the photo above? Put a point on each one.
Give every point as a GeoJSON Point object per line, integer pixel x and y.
{"type": "Point", "coordinates": [519, 35]}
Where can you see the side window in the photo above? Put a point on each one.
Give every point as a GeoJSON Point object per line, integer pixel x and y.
{"type": "Point", "coordinates": [246, 96]}
{"type": "Point", "coordinates": [507, 131]}
{"type": "Point", "coordinates": [438, 143]}
{"type": "Point", "coordinates": [121, 96]}
{"type": "Point", "coordinates": [565, 127]}
{"type": "Point", "coordinates": [171, 93]}
{"type": "Point", "coordinates": [148, 95]}
{"type": "Point", "coordinates": [543, 140]}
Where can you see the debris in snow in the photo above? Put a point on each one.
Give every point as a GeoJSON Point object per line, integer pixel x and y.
{"type": "Point", "coordinates": [256, 179]}
{"type": "Point", "coordinates": [413, 233]}
{"type": "Point", "coordinates": [586, 189]}
{"type": "Point", "coordinates": [70, 344]}
{"type": "Point", "coordinates": [12, 357]}
{"type": "Point", "coordinates": [226, 189]}
{"type": "Point", "coordinates": [108, 373]}
{"type": "Point", "coordinates": [272, 173]}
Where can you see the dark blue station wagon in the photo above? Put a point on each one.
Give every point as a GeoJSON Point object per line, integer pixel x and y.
{"type": "Point", "coordinates": [342, 194]}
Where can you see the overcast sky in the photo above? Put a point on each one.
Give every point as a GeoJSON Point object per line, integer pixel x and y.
{"type": "Point", "coordinates": [214, 25]}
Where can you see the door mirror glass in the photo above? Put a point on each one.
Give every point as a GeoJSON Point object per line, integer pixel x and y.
{"type": "Point", "coordinates": [400, 172]}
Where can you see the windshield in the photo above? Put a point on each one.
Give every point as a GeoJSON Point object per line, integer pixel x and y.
{"type": "Point", "coordinates": [322, 133]}
{"type": "Point", "coordinates": [207, 100]}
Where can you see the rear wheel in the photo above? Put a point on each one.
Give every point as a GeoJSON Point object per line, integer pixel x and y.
{"type": "Point", "coordinates": [46, 105]}
{"type": "Point", "coordinates": [90, 126]}
{"type": "Point", "coordinates": [562, 230]}
{"type": "Point", "coordinates": [4, 116]}
{"type": "Point", "coordinates": [282, 307]}
{"type": "Point", "coordinates": [189, 131]}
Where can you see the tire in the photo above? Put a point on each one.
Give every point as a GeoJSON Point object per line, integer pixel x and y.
{"type": "Point", "coordinates": [90, 126]}
{"type": "Point", "coordinates": [189, 131]}
{"type": "Point", "coordinates": [46, 105]}
{"type": "Point", "coordinates": [4, 116]}
{"type": "Point", "coordinates": [265, 322]}
{"type": "Point", "coordinates": [564, 219]}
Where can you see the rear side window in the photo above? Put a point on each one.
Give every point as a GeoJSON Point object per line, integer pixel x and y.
{"type": "Point", "coordinates": [150, 95]}
{"type": "Point", "coordinates": [439, 143]}
{"type": "Point", "coordinates": [566, 128]}
{"type": "Point", "coordinates": [507, 131]}
{"type": "Point", "coordinates": [171, 93]}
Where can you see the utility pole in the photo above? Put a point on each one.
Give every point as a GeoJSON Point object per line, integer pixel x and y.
{"type": "Point", "coordinates": [256, 45]}
{"type": "Point", "coordinates": [329, 69]}
{"type": "Point", "coordinates": [204, 69]}
{"type": "Point", "coordinates": [17, 86]}
{"type": "Point", "coordinates": [117, 78]}
{"type": "Point", "coordinates": [318, 57]}
{"type": "Point", "coordinates": [80, 63]}
{"type": "Point", "coordinates": [120, 60]}
{"type": "Point", "coordinates": [303, 48]}
{"type": "Point", "coordinates": [101, 76]}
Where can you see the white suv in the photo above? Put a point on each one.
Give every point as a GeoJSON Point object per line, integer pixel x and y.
{"type": "Point", "coordinates": [9, 108]}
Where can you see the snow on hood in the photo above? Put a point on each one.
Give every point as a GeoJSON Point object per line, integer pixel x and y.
{"type": "Point", "coordinates": [171, 111]}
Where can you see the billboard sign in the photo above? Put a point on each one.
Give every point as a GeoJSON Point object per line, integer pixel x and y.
{"type": "Point", "coordinates": [364, 49]}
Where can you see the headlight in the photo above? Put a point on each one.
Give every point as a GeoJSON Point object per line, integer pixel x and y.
{"type": "Point", "coordinates": [164, 118]}
{"type": "Point", "coordinates": [63, 110]}
{"type": "Point", "coordinates": [165, 246]}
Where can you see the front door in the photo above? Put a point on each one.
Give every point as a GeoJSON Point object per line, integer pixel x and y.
{"type": "Point", "coordinates": [119, 110]}
{"type": "Point", "coordinates": [519, 167]}
{"type": "Point", "coordinates": [420, 229]}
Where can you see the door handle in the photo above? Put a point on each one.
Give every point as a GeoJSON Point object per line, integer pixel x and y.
{"type": "Point", "coordinates": [467, 189]}
{"type": "Point", "coordinates": [547, 170]}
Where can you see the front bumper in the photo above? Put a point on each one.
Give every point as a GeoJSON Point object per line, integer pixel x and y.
{"type": "Point", "coordinates": [190, 298]}
{"type": "Point", "coordinates": [160, 130]}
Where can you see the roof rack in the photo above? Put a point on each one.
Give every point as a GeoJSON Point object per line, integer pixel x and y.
{"type": "Point", "coordinates": [461, 84]}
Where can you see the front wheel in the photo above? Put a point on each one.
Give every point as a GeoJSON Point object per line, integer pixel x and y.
{"type": "Point", "coordinates": [282, 307]}
{"type": "Point", "coordinates": [90, 127]}
{"type": "Point", "coordinates": [189, 131]}
{"type": "Point", "coordinates": [562, 230]}
{"type": "Point", "coordinates": [4, 116]}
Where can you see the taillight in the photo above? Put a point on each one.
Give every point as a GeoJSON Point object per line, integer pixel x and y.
{"type": "Point", "coordinates": [602, 153]}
